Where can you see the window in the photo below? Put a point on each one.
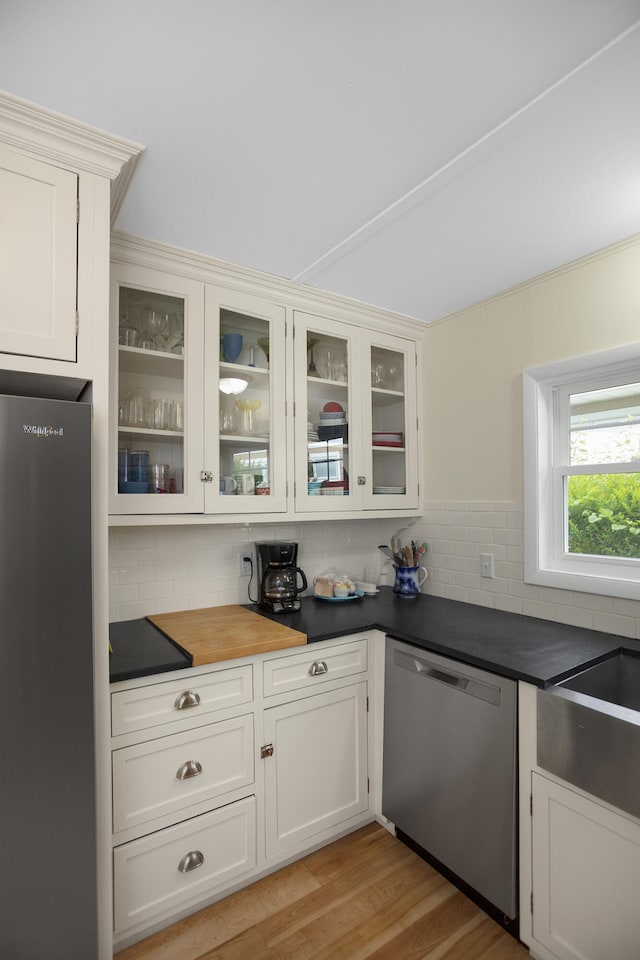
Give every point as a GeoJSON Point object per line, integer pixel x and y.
{"type": "Point", "coordinates": [582, 473]}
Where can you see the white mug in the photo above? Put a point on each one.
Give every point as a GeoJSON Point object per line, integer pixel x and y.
{"type": "Point", "coordinates": [228, 485]}
{"type": "Point", "coordinates": [246, 484]}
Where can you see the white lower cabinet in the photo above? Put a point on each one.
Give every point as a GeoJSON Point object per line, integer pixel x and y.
{"type": "Point", "coordinates": [167, 775]}
{"type": "Point", "coordinates": [316, 765]}
{"type": "Point", "coordinates": [165, 870]}
{"type": "Point", "coordinates": [586, 872]}
{"type": "Point", "coordinates": [192, 816]}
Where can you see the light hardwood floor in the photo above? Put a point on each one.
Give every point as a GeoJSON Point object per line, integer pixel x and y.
{"type": "Point", "coordinates": [364, 896]}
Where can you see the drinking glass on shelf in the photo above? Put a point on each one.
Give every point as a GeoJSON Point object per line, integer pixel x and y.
{"type": "Point", "coordinates": [394, 371]}
{"type": "Point", "coordinates": [247, 415]}
{"type": "Point", "coordinates": [339, 368]}
{"type": "Point", "coordinates": [378, 374]}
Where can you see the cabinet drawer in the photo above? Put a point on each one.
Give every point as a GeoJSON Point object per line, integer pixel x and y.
{"type": "Point", "coordinates": [143, 707]}
{"type": "Point", "coordinates": [161, 871]}
{"type": "Point", "coordinates": [167, 775]}
{"type": "Point", "coordinates": [306, 670]}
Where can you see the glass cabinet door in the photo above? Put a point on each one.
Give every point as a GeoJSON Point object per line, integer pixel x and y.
{"type": "Point", "coordinates": [245, 427]}
{"type": "Point", "coordinates": [326, 385]}
{"type": "Point", "coordinates": [390, 423]}
{"type": "Point", "coordinates": [157, 342]}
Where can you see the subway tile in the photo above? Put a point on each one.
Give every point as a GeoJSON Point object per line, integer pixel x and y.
{"type": "Point", "coordinates": [626, 608]}
{"type": "Point", "coordinates": [508, 537]}
{"type": "Point", "coordinates": [480, 597]}
{"type": "Point", "coordinates": [452, 592]}
{"type": "Point", "coordinates": [139, 574]}
{"type": "Point", "coordinates": [494, 520]}
{"type": "Point", "coordinates": [611, 623]}
{"type": "Point", "coordinates": [124, 594]}
{"type": "Point", "coordinates": [575, 616]}
{"type": "Point", "coordinates": [509, 571]}
{"type": "Point", "coordinates": [534, 608]}
{"type": "Point", "coordinates": [508, 603]}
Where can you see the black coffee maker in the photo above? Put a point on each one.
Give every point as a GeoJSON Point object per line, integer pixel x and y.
{"type": "Point", "coordinates": [278, 575]}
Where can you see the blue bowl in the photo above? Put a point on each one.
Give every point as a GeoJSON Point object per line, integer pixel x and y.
{"type": "Point", "coordinates": [133, 486]}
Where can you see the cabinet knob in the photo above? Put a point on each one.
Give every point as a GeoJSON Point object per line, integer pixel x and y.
{"type": "Point", "coordinates": [362, 481]}
{"type": "Point", "coordinates": [191, 861]}
{"type": "Point", "coordinates": [266, 751]}
{"type": "Point", "coordinates": [206, 476]}
{"type": "Point", "coordinates": [192, 768]}
{"type": "Point", "coordinates": [187, 699]}
{"type": "Point", "coordinates": [318, 667]}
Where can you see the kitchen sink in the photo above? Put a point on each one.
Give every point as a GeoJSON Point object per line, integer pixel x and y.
{"type": "Point", "coordinates": [588, 730]}
{"type": "Point", "coordinates": [615, 680]}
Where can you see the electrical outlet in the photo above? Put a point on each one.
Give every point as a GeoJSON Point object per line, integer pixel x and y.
{"type": "Point", "coordinates": [245, 561]}
{"type": "Point", "coordinates": [486, 565]}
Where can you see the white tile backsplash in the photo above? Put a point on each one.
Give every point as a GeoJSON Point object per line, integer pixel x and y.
{"type": "Point", "coordinates": [159, 569]}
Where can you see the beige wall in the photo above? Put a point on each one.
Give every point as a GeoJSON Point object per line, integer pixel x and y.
{"type": "Point", "coordinates": [473, 361]}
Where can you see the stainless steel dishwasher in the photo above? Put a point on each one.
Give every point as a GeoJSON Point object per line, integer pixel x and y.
{"type": "Point", "coordinates": [449, 770]}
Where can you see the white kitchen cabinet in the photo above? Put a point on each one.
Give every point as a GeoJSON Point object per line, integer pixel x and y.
{"type": "Point", "coordinates": [315, 757]}
{"type": "Point", "coordinates": [183, 791]}
{"type": "Point", "coordinates": [180, 444]}
{"type": "Point", "coordinates": [184, 701]}
{"type": "Point", "coordinates": [196, 858]}
{"type": "Point", "coordinates": [156, 392]}
{"type": "Point", "coordinates": [270, 451]}
{"type": "Point", "coordinates": [356, 428]}
{"type": "Point", "coordinates": [38, 239]}
{"type": "Point", "coordinates": [168, 775]}
{"type": "Point", "coordinates": [245, 433]}
{"type": "Point", "coordinates": [585, 868]}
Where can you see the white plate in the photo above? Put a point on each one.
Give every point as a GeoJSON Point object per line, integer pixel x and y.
{"type": "Point", "coordinates": [389, 490]}
{"type": "Point", "coordinates": [352, 596]}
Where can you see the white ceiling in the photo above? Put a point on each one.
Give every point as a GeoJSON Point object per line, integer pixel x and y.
{"type": "Point", "coordinates": [419, 155]}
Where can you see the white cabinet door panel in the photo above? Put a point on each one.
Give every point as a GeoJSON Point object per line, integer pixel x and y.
{"type": "Point", "coordinates": [38, 244]}
{"type": "Point", "coordinates": [153, 875]}
{"type": "Point", "coordinates": [300, 671]}
{"type": "Point", "coordinates": [161, 776]}
{"type": "Point", "coordinates": [586, 870]}
{"type": "Point", "coordinates": [184, 700]}
{"type": "Point", "coordinates": [317, 776]}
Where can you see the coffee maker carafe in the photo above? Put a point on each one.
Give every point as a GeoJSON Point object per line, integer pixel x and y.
{"type": "Point", "coordinates": [278, 575]}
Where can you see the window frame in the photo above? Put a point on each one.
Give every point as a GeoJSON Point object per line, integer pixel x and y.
{"type": "Point", "coordinates": [545, 432]}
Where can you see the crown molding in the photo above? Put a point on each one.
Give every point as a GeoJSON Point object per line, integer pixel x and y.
{"type": "Point", "coordinates": [59, 140]}
{"type": "Point", "coordinates": [159, 256]}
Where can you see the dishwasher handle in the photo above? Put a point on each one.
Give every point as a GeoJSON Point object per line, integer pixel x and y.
{"type": "Point", "coordinates": [468, 685]}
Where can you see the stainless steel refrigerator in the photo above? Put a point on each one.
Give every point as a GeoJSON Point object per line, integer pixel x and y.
{"type": "Point", "coordinates": [48, 908]}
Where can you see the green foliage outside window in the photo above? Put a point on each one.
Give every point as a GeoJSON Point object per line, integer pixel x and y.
{"type": "Point", "coordinates": [604, 514]}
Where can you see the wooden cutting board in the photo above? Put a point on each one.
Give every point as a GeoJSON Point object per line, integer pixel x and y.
{"type": "Point", "coordinates": [224, 633]}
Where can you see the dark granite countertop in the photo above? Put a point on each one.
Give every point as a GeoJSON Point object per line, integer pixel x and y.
{"type": "Point", "coordinates": [523, 648]}
{"type": "Point", "coordinates": [139, 649]}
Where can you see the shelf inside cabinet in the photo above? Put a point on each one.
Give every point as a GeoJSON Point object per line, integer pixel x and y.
{"type": "Point", "coordinates": [255, 375]}
{"type": "Point", "coordinates": [385, 448]}
{"type": "Point", "coordinates": [232, 438]}
{"type": "Point", "coordinates": [317, 388]}
{"type": "Point", "coordinates": [152, 362]}
{"type": "Point", "coordinates": [148, 432]}
{"type": "Point", "coordinates": [383, 398]}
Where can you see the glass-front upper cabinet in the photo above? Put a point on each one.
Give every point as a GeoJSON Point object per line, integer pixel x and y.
{"type": "Point", "coordinates": [326, 436]}
{"type": "Point", "coordinates": [245, 424]}
{"type": "Point", "coordinates": [390, 426]}
{"type": "Point", "coordinates": [355, 423]}
{"type": "Point", "coordinates": [156, 388]}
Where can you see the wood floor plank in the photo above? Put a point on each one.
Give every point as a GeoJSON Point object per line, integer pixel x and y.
{"type": "Point", "coordinates": [365, 897]}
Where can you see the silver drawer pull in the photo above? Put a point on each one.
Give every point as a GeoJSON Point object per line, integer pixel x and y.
{"type": "Point", "coordinates": [318, 667]}
{"type": "Point", "coordinates": [192, 768]}
{"type": "Point", "coordinates": [191, 861]}
{"type": "Point", "coordinates": [187, 699]}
